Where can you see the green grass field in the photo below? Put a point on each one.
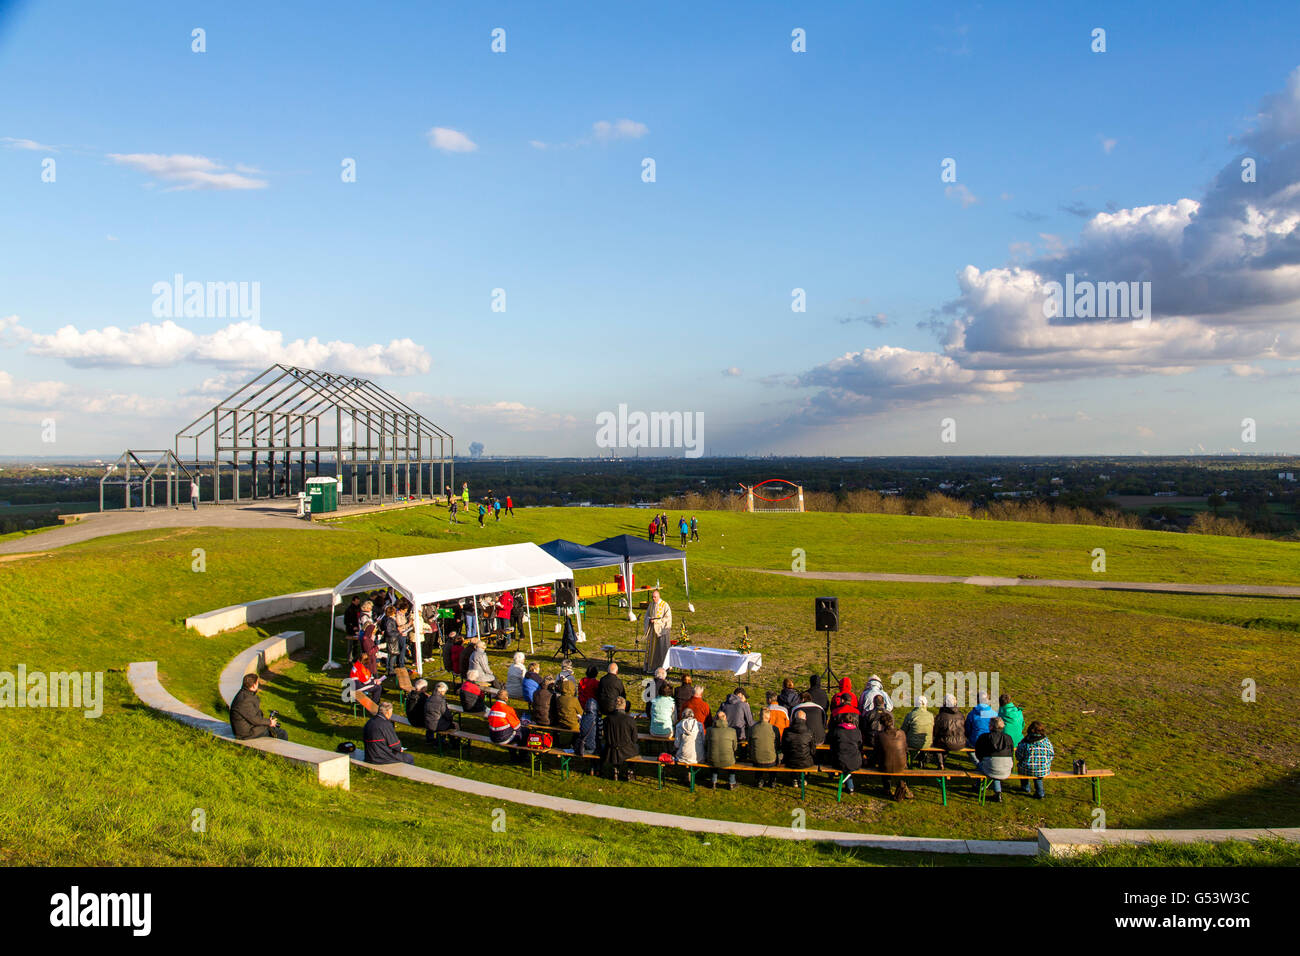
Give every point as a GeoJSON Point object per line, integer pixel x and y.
{"type": "Point", "coordinates": [1148, 685]}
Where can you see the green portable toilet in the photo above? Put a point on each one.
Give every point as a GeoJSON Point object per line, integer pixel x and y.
{"type": "Point", "coordinates": [322, 495]}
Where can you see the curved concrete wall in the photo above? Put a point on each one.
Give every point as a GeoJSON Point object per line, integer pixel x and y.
{"type": "Point", "coordinates": [237, 615]}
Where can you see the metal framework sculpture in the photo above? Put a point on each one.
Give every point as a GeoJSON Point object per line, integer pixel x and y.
{"type": "Point", "coordinates": [246, 444]}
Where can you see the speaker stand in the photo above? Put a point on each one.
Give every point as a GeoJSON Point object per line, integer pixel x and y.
{"type": "Point", "coordinates": [828, 675]}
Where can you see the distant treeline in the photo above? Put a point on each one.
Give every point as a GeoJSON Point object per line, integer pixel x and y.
{"type": "Point", "coordinates": [937, 505]}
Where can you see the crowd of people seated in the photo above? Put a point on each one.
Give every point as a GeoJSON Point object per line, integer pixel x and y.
{"type": "Point", "coordinates": [858, 730]}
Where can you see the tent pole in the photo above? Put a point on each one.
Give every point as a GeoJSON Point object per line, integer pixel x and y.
{"type": "Point", "coordinates": [418, 621]}
{"type": "Point", "coordinates": [687, 581]}
{"type": "Point", "coordinates": [330, 663]}
{"type": "Point", "coordinates": [528, 613]}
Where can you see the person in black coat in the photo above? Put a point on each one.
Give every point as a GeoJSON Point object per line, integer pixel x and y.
{"type": "Point", "coordinates": [788, 697]}
{"type": "Point", "coordinates": [416, 701]}
{"type": "Point", "coordinates": [620, 738]}
{"type": "Point", "coordinates": [381, 743]}
{"type": "Point", "coordinates": [352, 627]}
{"type": "Point", "coordinates": [246, 720]}
{"type": "Point", "coordinates": [845, 740]}
{"type": "Point", "coordinates": [683, 695]}
{"type": "Point", "coordinates": [817, 695]}
{"type": "Point", "coordinates": [797, 745]}
{"type": "Point", "coordinates": [542, 706]}
{"type": "Point", "coordinates": [814, 715]}
{"type": "Point", "coordinates": [609, 690]}
{"type": "Point", "coordinates": [437, 715]}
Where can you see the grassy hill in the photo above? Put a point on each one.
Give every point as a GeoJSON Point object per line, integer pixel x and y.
{"type": "Point", "coordinates": [1147, 684]}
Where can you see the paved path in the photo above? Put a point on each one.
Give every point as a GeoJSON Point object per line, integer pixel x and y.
{"type": "Point", "coordinates": [97, 524]}
{"type": "Point", "coordinates": [1159, 587]}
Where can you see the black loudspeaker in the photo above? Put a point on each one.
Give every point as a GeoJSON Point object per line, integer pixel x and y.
{"type": "Point", "coordinates": [564, 594]}
{"type": "Point", "coordinates": [826, 610]}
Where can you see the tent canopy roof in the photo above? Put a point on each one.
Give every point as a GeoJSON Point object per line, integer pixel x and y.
{"type": "Point", "coordinates": [635, 550]}
{"type": "Point", "coordinates": [429, 578]}
{"type": "Point", "coordinates": [578, 556]}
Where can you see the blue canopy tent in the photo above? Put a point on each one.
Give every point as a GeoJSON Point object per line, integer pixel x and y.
{"type": "Point", "coordinates": [577, 557]}
{"type": "Point", "coordinates": [633, 551]}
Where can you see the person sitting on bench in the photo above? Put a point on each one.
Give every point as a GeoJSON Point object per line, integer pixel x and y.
{"type": "Point", "coordinates": [788, 697]}
{"type": "Point", "coordinates": [541, 706]}
{"type": "Point", "coordinates": [478, 670]}
{"type": "Point", "coordinates": [720, 743]}
{"type": "Point", "coordinates": [620, 739]}
{"type": "Point", "coordinates": [416, 702]}
{"type": "Point", "coordinates": [845, 741]}
{"type": "Point", "coordinates": [797, 745]}
{"type": "Point", "coordinates": [873, 718]}
{"type": "Point", "coordinates": [688, 737]}
{"type": "Point", "coordinates": [382, 745]}
{"type": "Point", "coordinates": [515, 676]}
{"type": "Point", "coordinates": [568, 712]}
{"type": "Point", "coordinates": [437, 715]}
{"type": "Point", "coordinates": [588, 686]}
{"type": "Point", "coordinates": [918, 725]}
{"type": "Point", "coordinates": [471, 698]}
{"type": "Point", "coordinates": [698, 706]}
{"type": "Point", "coordinates": [814, 715]}
{"type": "Point", "coordinates": [1034, 757]}
{"type": "Point", "coordinates": [739, 717]}
{"type": "Point", "coordinates": [364, 682]}
{"type": "Point", "coordinates": [532, 681]}
{"type": "Point", "coordinates": [587, 742]}
{"type": "Point", "coordinates": [949, 728]}
{"type": "Point", "coordinates": [979, 719]}
{"type": "Point", "coordinates": [246, 720]}
{"type": "Point", "coordinates": [763, 743]}
{"type": "Point", "coordinates": [661, 713]}
{"type": "Point", "coordinates": [610, 690]}
{"type": "Point", "coordinates": [683, 694]}
{"type": "Point", "coordinates": [889, 754]}
{"type": "Point", "coordinates": [504, 726]}
{"type": "Point", "coordinates": [995, 755]}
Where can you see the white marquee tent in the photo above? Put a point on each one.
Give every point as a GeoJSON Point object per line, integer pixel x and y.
{"type": "Point", "coordinates": [450, 575]}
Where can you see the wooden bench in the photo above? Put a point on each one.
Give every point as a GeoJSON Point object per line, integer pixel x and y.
{"type": "Point", "coordinates": [1095, 776]}
{"type": "Point", "coordinates": [943, 776]}
{"type": "Point", "coordinates": [694, 768]}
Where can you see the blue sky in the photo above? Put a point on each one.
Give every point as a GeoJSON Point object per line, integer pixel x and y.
{"type": "Point", "coordinates": [775, 170]}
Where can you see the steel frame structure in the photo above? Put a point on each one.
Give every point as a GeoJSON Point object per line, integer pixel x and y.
{"type": "Point", "coordinates": [145, 475]}
{"type": "Point", "coordinates": [378, 440]}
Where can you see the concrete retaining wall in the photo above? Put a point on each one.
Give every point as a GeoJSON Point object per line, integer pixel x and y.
{"type": "Point", "coordinates": [238, 615]}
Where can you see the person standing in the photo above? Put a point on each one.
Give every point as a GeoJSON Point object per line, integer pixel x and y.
{"type": "Point", "coordinates": [194, 494]}
{"type": "Point", "coordinates": [464, 494]}
{"type": "Point", "coordinates": [452, 509]}
{"type": "Point", "coordinates": [654, 528]}
{"type": "Point", "coordinates": [352, 626]}
{"type": "Point", "coordinates": [496, 508]}
{"type": "Point", "coordinates": [620, 740]}
{"type": "Point", "coordinates": [682, 529]}
{"type": "Point", "coordinates": [510, 506]}
{"type": "Point", "coordinates": [658, 632]}
{"type": "Point", "coordinates": [695, 529]}
{"type": "Point", "coordinates": [482, 512]}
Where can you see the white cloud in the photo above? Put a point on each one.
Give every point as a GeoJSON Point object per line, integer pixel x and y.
{"type": "Point", "coordinates": [239, 345]}
{"type": "Point", "coordinates": [732, 372]}
{"type": "Point", "coordinates": [27, 144]}
{"type": "Point", "coordinates": [183, 171]}
{"type": "Point", "coordinates": [603, 130]}
{"type": "Point", "coordinates": [1107, 144]}
{"type": "Point", "coordinates": [960, 193]}
{"type": "Point", "coordinates": [450, 140]}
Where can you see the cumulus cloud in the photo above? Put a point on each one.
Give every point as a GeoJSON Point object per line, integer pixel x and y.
{"type": "Point", "coordinates": [450, 140]}
{"type": "Point", "coordinates": [181, 171]}
{"type": "Point", "coordinates": [879, 379]}
{"type": "Point", "coordinates": [238, 345]}
{"type": "Point", "coordinates": [515, 415]}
